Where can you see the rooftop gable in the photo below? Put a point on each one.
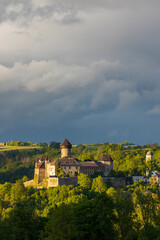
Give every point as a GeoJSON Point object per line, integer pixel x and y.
{"type": "Point", "coordinates": [105, 157]}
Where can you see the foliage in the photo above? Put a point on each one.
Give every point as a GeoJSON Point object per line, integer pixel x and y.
{"type": "Point", "coordinates": [58, 170]}
{"type": "Point", "coordinates": [87, 211]}
{"type": "Point", "coordinates": [18, 163]}
{"type": "Point", "coordinates": [55, 145]}
{"type": "Point", "coordinates": [84, 181]}
{"type": "Point", "coordinates": [79, 212]}
{"type": "Point", "coordinates": [98, 185]}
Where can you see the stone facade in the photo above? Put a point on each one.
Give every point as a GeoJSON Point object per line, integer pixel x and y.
{"type": "Point", "coordinates": [40, 170]}
{"type": "Point", "coordinates": [70, 170]}
{"type": "Point", "coordinates": [65, 148]}
{"type": "Point", "coordinates": [90, 167]}
{"type": "Point", "coordinates": [71, 167]}
{"type": "Point", "coordinates": [115, 182]}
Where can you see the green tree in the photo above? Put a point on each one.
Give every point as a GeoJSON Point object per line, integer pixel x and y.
{"type": "Point", "coordinates": [88, 219]}
{"type": "Point", "coordinates": [18, 192]}
{"type": "Point", "coordinates": [58, 170]}
{"type": "Point", "coordinates": [84, 181]}
{"type": "Point", "coordinates": [98, 185]}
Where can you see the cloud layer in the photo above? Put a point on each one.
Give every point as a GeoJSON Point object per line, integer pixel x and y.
{"type": "Point", "coordinates": [80, 69]}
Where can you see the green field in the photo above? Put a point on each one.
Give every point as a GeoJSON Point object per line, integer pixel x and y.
{"type": "Point", "coordinates": [11, 148]}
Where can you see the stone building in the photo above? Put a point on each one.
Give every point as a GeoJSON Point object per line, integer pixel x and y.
{"type": "Point", "coordinates": [155, 178]}
{"type": "Point", "coordinates": [71, 167]}
{"type": "Point", "coordinates": [149, 156]}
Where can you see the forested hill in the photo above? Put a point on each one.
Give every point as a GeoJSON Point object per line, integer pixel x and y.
{"type": "Point", "coordinates": [87, 211]}
{"type": "Point", "coordinates": [128, 159]}
{"type": "Point", "coordinates": [91, 210]}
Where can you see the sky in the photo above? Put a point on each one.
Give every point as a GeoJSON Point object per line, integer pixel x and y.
{"type": "Point", "coordinates": [85, 70]}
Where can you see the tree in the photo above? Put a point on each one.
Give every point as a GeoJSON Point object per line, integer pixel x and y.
{"type": "Point", "coordinates": [18, 192]}
{"type": "Point", "coordinates": [84, 181]}
{"type": "Point", "coordinates": [58, 170]}
{"type": "Point", "coordinates": [60, 225]}
{"type": "Point", "coordinates": [88, 219]}
{"type": "Point", "coordinates": [54, 144]}
{"type": "Point", "coordinates": [124, 211]}
{"type": "Point", "coordinates": [23, 223]}
{"type": "Point", "coordinates": [98, 185]}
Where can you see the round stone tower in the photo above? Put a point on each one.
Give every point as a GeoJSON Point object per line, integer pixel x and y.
{"type": "Point", "coordinates": [149, 156]}
{"type": "Point", "coordinates": [65, 148]}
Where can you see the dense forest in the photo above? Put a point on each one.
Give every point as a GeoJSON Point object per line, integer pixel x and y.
{"type": "Point", "coordinates": [91, 210]}
{"type": "Point", "coordinates": [87, 211]}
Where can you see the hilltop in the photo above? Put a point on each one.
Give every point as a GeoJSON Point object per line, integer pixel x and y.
{"type": "Point", "coordinates": [17, 159]}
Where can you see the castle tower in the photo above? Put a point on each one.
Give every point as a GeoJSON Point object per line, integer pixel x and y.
{"type": "Point", "coordinates": [65, 148]}
{"type": "Point", "coordinates": [149, 156]}
{"type": "Point", "coordinates": [39, 172]}
{"type": "Point", "coordinates": [107, 162]}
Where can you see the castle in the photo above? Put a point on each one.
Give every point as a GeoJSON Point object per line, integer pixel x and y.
{"type": "Point", "coordinates": [46, 169]}
{"type": "Point", "coordinates": [64, 171]}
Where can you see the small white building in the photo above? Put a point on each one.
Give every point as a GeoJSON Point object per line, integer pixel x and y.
{"type": "Point", "coordinates": [138, 178]}
{"type": "Point", "coordinates": [149, 156]}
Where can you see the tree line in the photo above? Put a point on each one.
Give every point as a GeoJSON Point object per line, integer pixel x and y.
{"type": "Point", "coordinates": [13, 164]}
{"type": "Point", "coordinates": [87, 211]}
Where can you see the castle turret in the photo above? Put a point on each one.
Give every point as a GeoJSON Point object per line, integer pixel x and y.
{"type": "Point", "coordinates": [107, 161]}
{"type": "Point", "coordinates": [65, 148]}
{"type": "Point", "coordinates": [149, 156]}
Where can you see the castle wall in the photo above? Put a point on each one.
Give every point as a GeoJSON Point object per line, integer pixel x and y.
{"type": "Point", "coordinates": [29, 183]}
{"type": "Point", "coordinates": [91, 170]}
{"type": "Point", "coordinates": [68, 181]}
{"type": "Point", "coordinates": [70, 170]}
{"type": "Point", "coordinates": [41, 174]}
{"type": "Point", "coordinates": [36, 175]}
{"type": "Point", "coordinates": [108, 166]}
{"type": "Point", "coordinates": [56, 181]}
{"type": "Point", "coordinates": [48, 169]}
{"type": "Point", "coordinates": [115, 182]}
{"type": "Point", "coordinates": [53, 182]}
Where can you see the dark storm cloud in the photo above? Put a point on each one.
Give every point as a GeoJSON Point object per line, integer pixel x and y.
{"type": "Point", "coordinates": [95, 80]}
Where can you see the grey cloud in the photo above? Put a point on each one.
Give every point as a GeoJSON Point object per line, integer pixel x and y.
{"type": "Point", "coordinates": [95, 84]}
{"type": "Point", "coordinates": [88, 80]}
{"type": "Point", "coordinates": [25, 11]}
{"type": "Point", "coordinates": [48, 85]}
{"type": "Point", "coordinates": [127, 98]}
{"type": "Point", "coordinates": [67, 18]}
{"type": "Point", "coordinates": [51, 89]}
{"type": "Point", "coordinates": [64, 12]}
{"type": "Point", "coordinates": [12, 10]}
{"type": "Point", "coordinates": [155, 110]}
